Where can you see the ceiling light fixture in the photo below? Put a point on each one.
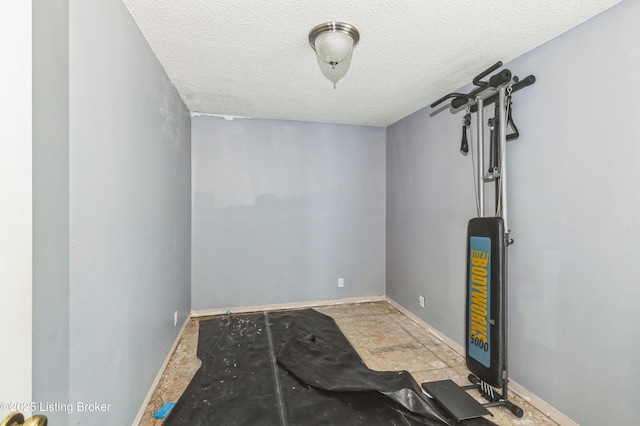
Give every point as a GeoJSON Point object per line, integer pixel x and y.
{"type": "Point", "coordinates": [333, 43]}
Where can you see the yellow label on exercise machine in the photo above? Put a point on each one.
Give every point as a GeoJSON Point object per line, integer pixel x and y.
{"type": "Point", "coordinates": [479, 297]}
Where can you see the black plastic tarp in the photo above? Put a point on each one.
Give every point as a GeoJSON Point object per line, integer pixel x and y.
{"type": "Point", "coordinates": [295, 368]}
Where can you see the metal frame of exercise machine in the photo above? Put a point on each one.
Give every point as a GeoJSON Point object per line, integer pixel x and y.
{"type": "Point", "coordinates": [487, 247]}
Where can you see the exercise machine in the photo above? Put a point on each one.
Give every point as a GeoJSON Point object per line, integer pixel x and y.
{"type": "Point", "coordinates": [488, 240]}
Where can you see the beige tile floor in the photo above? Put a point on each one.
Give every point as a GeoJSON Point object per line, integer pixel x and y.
{"type": "Point", "coordinates": [385, 338]}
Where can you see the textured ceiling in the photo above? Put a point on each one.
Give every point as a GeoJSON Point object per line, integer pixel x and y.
{"type": "Point", "coordinates": [252, 59]}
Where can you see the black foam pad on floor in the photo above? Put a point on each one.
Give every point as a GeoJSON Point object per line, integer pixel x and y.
{"type": "Point", "coordinates": [242, 380]}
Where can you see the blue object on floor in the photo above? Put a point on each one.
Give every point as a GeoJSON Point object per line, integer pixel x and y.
{"type": "Point", "coordinates": [164, 410]}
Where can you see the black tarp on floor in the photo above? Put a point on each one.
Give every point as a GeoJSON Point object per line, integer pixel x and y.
{"type": "Point", "coordinates": [242, 380]}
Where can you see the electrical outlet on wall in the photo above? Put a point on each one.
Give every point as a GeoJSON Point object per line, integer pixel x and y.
{"type": "Point", "coordinates": [340, 282]}
{"type": "Point", "coordinates": [175, 318]}
{"type": "Point", "coordinates": [421, 301]}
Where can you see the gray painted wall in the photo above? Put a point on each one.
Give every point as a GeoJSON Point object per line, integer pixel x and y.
{"type": "Point", "coordinates": [574, 215]}
{"type": "Point", "coordinates": [51, 204]}
{"type": "Point", "coordinates": [112, 211]}
{"type": "Point", "coordinates": [283, 209]}
{"type": "Point", "coordinates": [430, 198]}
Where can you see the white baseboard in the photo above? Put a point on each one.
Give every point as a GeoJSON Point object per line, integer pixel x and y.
{"type": "Point", "coordinates": [281, 306]}
{"type": "Point", "coordinates": [145, 403]}
{"type": "Point", "coordinates": [541, 405]}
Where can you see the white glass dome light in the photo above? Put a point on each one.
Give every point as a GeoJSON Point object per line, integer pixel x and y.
{"type": "Point", "coordinates": [333, 43]}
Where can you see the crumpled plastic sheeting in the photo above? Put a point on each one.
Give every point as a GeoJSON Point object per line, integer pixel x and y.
{"type": "Point", "coordinates": [314, 350]}
{"type": "Point", "coordinates": [315, 359]}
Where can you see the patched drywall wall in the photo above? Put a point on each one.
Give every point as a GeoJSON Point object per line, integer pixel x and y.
{"type": "Point", "coordinates": [129, 213]}
{"type": "Point", "coordinates": [282, 209]}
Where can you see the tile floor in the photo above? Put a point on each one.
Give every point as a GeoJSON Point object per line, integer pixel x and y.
{"type": "Point", "coordinates": [385, 338]}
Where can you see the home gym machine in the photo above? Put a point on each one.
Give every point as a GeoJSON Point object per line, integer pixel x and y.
{"type": "Point", "coordinates": [488, 238]}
